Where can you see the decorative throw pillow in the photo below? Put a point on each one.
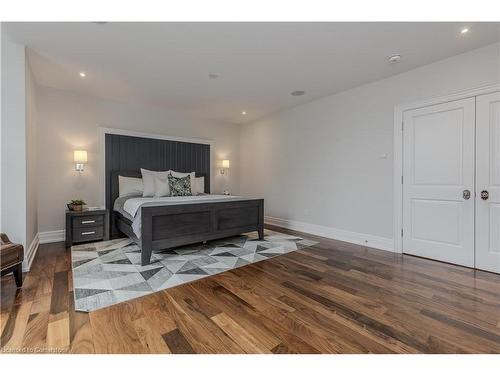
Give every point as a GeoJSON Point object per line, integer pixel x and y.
{"type": "Point", "coordinates": [183, 174]}
{"type": "Point", "coordinates": [179, 186]}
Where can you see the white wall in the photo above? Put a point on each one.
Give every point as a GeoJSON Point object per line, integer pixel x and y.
{"type": "Point", "coordinates": [69, 121]}
{"type": "Point", "coordinates": [13, 142]}
{"type": "Point", "coordinates": [31, 158]}
{"type": "Point", "coordinates": [319, 163]}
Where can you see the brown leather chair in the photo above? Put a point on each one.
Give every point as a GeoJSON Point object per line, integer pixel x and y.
{"type": "Point", "coordinates": [11, 259]}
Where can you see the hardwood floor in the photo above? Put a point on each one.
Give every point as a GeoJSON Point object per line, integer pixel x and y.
{"type": "Point", "coordinates": [334, 297]}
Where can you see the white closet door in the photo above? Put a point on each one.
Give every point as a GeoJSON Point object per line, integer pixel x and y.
{"type": "Point", "coordinates": [488, 182]}
{"type": "Point", "coordinates": [438, 170]}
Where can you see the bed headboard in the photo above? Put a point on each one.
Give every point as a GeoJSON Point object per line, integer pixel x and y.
{"type": "Point", "coordinates": [125, 155]}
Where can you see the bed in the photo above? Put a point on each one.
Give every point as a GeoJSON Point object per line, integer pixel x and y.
{"type": "Point", "coordinates": [162, 223]}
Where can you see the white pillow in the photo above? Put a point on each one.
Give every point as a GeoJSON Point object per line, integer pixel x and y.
{"type": "Point", "coordinates": [148, 180]}
{"type": "Point", "coordinates": [129, 185]}
{"type": "Point", "coordinates": [161, 186]}
{"type": "Point", "coordinates": [199, 186]}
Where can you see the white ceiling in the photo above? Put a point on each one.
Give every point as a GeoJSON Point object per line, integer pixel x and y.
{"type": "Point", "coordinates": [259, 64]}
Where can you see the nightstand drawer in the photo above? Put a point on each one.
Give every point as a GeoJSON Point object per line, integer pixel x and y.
{"type": "Point", "coordinates": [88, 221]}
{"type": "Point", "coordinates": [88, 233]}
{"type": "Point", "coordinates": [86, 225]}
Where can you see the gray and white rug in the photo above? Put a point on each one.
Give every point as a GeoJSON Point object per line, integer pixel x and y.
{"type": "Point", "coordinates": [110, 272]}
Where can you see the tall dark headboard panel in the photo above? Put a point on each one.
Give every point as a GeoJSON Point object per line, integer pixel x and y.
{"type": "Point", "coordinates": [126, 155]}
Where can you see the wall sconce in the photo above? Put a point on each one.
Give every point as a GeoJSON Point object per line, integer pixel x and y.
{"type": "Point", "coordinates": [80, 158]}
{"type": "Point", "coordinates": [225, 165]}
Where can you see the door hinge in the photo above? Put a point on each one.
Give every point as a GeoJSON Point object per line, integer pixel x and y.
{"type": "Point", "coordinates": [401, 232]}
{"type": "Point", "coordinates": [401, 180]}
{"type": "Point", "coordinates": [402, 125]}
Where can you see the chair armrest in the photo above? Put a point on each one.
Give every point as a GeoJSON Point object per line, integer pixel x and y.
{"type": "Point", "coordinates": [5, 240]}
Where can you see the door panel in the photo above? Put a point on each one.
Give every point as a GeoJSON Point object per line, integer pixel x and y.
{"type": "Point", "coordinates": [488, 179]}
{"type": "Point", "coordinates": [445, 224]}
{"type": "Point", "coordinates": [438, 148]}
{"type": "Point", "coordinates": [438, 153]}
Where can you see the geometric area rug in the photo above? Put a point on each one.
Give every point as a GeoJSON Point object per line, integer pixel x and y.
{"type": "Point", "coordinates": [109, 272]}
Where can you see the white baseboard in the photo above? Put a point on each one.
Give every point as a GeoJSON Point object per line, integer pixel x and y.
{"type": "Point", "coordinates": [40, 238]}
{"type": "Point", "coordinates": [30, 253]}
{"type": "Point", "coordinates": [52, 236]}
{"type": "Point", "coordinates": [376, 242]}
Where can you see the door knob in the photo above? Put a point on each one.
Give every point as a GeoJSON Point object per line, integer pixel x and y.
{"type": "Point", "coordinates": [485, 195]}
{"type": "Point", "coordinates": [466, 194]}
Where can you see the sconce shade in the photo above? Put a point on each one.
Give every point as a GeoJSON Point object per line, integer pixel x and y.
{"type": "Point", "coordinates": [80, 156]}
{"type": "Point", "coordinates": [225, 164]}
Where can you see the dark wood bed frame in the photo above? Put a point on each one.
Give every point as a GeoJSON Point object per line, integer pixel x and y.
{"type": "Point", "coordinates": [165, 227]}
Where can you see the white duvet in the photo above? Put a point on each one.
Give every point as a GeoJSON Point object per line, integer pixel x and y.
{"type": "Point", "coordinates": [132, 205]}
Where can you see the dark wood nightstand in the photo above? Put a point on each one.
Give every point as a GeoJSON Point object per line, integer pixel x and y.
{"type": "Point", "coordinates": [86, 225]}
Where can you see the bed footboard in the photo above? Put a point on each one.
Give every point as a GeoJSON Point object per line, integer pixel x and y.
{"type": "Point", "coordinates": [165, 227]}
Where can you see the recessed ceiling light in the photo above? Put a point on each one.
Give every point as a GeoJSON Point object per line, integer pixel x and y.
{"type": "Point", "coordinates": [394, 58]}
{"type": "Point", "coordinates": [465, 30]}
{"type": "Point", "coordinates": [213, 76]}
{"type": "Point", "coordinates": [243, 113]}
{"type": "Point", "coordinates": [297, 93]}
{"type": "Point", "coordinates": [83, 75]}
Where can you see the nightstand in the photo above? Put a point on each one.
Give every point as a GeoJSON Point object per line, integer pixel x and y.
{"type": "Point", "coordinates": [86, 225]}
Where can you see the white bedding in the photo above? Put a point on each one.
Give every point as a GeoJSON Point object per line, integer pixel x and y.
{"type": "Point", "coordinates": [132, 205]}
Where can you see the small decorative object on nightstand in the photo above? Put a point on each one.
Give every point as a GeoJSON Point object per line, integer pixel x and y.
{"type": "Point", "coordinates": [86, 225]}
{"type": "Point", "coordinates": [76, 205]}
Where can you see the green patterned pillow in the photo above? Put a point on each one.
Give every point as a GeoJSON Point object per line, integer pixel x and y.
{"type": "Point", "coordinates": [179, 186]}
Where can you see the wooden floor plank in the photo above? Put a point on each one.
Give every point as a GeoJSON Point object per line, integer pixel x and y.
{"type": "Point", "coordinates": [241, 336]}
{"type": "Point", "coordinates": [202, 337]}
{"type": "Point", "coordinates": [177, 343]}
{"type": "Point", "coordinates": [80, 330]}
{"type": "Point", "coordinates": [13, 332]}
{"type": "Point", "coordinates": [150, 337]}
{"type": "Point", "coordinates": [193, 307]}
{"type": "Point", "coordinates": [35, 335]}
{"type": "Point", "coordinates": [260, 323]}
{"type": "Point", "coordinates": [58, 332]}
{"type": "Point", "coordinates": [113, 332]}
